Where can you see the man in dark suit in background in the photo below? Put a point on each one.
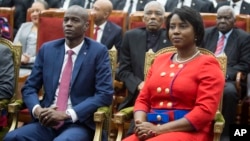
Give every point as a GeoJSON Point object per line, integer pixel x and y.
{"type": "Point", "coordinates": [7, 77]}
{"type": "Point", "coordinates": [204, 6]}
{"type": "Point", "coordinates": [136, 43]}
{"type": "Point", "coordinates": [239, 6]}
{"type": "Point", "coordinates": [108, 33]}
{"type": "Point", "coordinates": [65, 3]}
{"type": "Point", "coordinates": [81, 62]}
{"type": "Point", "coordinates": [236, 46]}
{"type": "Point", "coordinates": [129, 5]}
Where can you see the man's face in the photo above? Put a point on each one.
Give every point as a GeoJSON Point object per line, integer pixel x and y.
{"type": "Point", "coordinates": [74, 25]}
{"type": "Point", "coordinates": [225, 21]}
{"type": "Point", "coordinates": [153, 17]}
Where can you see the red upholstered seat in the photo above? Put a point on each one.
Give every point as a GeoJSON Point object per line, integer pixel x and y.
{"type": "Point", "coordinates": [120, 18]}
{"type": "Point", "coordinates": [50, 26]}
{"type": "Point", "coordinates": [49, 29]}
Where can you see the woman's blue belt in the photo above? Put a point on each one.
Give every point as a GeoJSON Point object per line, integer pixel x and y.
{"type": "Point", "coordinates": [164, 116]}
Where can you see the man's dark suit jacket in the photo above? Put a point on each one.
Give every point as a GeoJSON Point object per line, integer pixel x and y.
{"type": "Point", "coordinates": [120, 4]}
{"type": "Point", "coordinates": [58, 3]}
{"type": "Point", "coordinates": [244, 9]}
{"type": "Point", "coordinates": [132, 58]}
{"type": "Point", "coordinates": [6, 3]}
{"type": "Point", "coordinates": [7, 78]}
{"type": "Point", "coordinates": [112, 35]}
{"type": "Point", "coordinates": [199, 5]}
{"type": "Point", "coordinates": [237, 49]}
{"type": "Point", "coordinates": [91, 83]}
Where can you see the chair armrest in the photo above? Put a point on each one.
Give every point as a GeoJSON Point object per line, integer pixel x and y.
{"type": "Point", "coordinates": [4, 103]}
{"type": "Point", "coordinates": [13, 110]}
{"type": "Point", "coordinates": [120, 118]}
{"type": "Point", "coordinates": [15, 106]}
{"type": "Point", "coordinates": [218, 126]}
{"type": "Point", "coordinates": [100, 116]}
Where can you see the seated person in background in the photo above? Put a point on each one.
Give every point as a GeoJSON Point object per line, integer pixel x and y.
{"type": "Point", "coordinates": [239, 6]}
{"type": "Point", "coordinates": [204, 6]}
{"type": "Point", "coordinates": [75, 74]}
{"type": "Point", "coordinates": [135, 44]}
{"type": "Point", "coordinates": [235, 43]}
{"type": "Point", "coordinates": [27, 35]}
{"type": "Point", "coordinates": [65, 4]}
{"type": "Point", "coordinates": [7, 80]}
{"type": "Point", "coordinates": [175, 88]}
{"type": "Point", "coordinates": [130, 6]}
{"type": "Point", "coordinates": [106, 32]}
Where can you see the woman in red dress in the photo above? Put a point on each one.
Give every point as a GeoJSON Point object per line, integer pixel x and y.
{"type": "Point", "coordinates": [182, 90]}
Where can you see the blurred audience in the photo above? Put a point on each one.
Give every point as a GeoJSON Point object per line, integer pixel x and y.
{"type": "Point", "coordinates": [239, 6]}
{"type": "Point", "coordinates": [235, 43]}
{"type": "Point", "coordinates": [204, 6]}
{"type": "Point", "coordinates": [27, 35]}
{"type": "Point", "coordinates": [130, 5]}
{"type": "Point", "coordinates": [65, 4]}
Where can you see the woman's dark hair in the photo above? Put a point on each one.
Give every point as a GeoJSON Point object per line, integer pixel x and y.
{"type": "Point", "coordinates": [188, 14]}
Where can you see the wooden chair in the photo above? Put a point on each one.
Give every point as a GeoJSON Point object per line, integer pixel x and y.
{"type": "Point", "coordinates": [16, 50]}
{"type": "Point", "coordinates": [103, 115]}
{"type": "Point", "coordinates": [125, 115]}
{"type": "Point", "coordinates": [49, 28]}
{"type": "Point", "coordinates": [8, 12]}
{"type": "Point", "coordinates": [120, 18]}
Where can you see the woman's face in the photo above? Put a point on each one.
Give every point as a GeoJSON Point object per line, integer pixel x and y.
{"type": "Point", "coordinates": [181, 33]}
{"type": "Point", "coordinates": [36, 9]}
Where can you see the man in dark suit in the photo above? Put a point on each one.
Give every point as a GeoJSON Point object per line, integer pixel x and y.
{"type": "Point", "coordinates": [136, 43]}
{"type": "Point", "coordinates": [199, 5]}
{"type": "Point", "coordinates": [7, 80]}
{"type": "Point", "coordinates": [239, 6]}
{"type": "Point", "coordinates": [236, 46]}
{"type": "Point", "coordinates": [125, 4]}
{"type": "Point", "coordinates": [89, 86]}
{"type": "Point", "coordinates": [108, 33]}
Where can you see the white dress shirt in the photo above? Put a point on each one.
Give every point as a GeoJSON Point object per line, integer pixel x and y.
{"type": "Point", "coordinates": [186, 3]}
{"type": "Point", "coordinates": [236, 7]}
{"type": "Point", "coordinates": [127, 4]}
{"type": "Point", "coordinates": [100, 32]}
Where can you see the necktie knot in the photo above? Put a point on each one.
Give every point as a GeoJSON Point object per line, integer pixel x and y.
{"type": "Point", "coordinates": [97, 28]}
{"type": "Point", "coordinates": [233, 5]}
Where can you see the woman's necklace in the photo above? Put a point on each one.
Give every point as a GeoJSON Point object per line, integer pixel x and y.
{"type": "Point", "coordinates": [188, 59]}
